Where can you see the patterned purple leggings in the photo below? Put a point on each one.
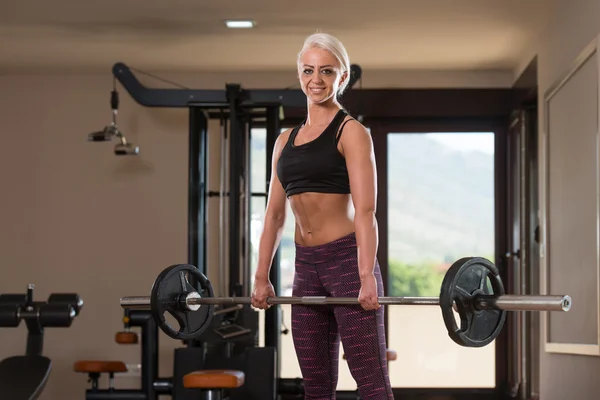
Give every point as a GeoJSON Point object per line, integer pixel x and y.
{"type": "Point", "coordinates": [332, 270]}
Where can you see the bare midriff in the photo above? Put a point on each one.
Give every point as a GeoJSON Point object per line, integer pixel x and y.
{"type": "Point", "coordinates": [321, 217]}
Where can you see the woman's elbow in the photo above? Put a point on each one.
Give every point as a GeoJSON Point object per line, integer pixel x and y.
{"type": "Point", "coordinates": [275, 218]}
{"type": "Point", "coordinates": [365, 213]}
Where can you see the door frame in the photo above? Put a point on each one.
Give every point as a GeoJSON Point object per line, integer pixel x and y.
{"type": "Point", "coordinates": [380, 129]}
{"type": "Point", "coordinates": [522, 222]}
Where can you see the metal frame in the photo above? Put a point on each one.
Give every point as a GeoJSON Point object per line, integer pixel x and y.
{"type": "Point", "coordinates": [273, 316]}
{"type": "Point", "coordinates": [237, 140]}
{"type": "Point", "coordinates": [197, 188]}
{"type": "Point", "coordinates": [531, 354]}
{"type": "Point", "coordinates": [235, 101]}
{"type": "Point", "coordinates": [254, 98]}
{"type": "Point", "coordinates": [492, 123]}
{"type": "Point", "coordinates": [522, 212]}
{"type": "Point", "coordinates": [239, 106]}
{"type": "Point", "coordinates": [567, 348]}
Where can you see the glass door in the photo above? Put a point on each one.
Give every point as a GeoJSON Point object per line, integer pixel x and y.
{"type": "Point", "coordinates": [440, 207]}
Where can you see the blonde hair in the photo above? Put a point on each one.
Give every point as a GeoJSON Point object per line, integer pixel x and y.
{"type": "Point", "coordinates": [335, 47]}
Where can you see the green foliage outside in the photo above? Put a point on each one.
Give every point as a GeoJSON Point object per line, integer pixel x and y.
{"type": "Point", "coordinates": [416, 279]}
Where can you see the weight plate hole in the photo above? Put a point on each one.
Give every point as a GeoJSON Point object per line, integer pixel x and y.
{"type": "Point", "coordinates": [171, 321]}
{"type": "Point", "coordinates": [456, 314]}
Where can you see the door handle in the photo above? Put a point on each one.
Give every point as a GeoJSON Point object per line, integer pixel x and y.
{"type": "Point", "coordinates": [516, 254]}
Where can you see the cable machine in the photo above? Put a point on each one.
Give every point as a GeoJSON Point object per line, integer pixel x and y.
{"type": "Point", "coordinates": [238, 110]}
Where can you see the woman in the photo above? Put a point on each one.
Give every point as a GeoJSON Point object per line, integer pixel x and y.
{"type": "Point", "coordinates": [330, 180]}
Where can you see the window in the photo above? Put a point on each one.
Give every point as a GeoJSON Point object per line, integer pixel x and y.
{"type": "Point", "coordinates": [440, 208]}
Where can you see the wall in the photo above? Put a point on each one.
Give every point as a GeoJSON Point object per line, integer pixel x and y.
{"type": "Point", "coordinates": [567, 376]}
{"type": "Point", "coordinates": [76, 218]}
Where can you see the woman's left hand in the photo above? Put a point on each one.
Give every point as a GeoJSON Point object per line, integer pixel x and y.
{"type": "Point", "coordinates": [367, 297]}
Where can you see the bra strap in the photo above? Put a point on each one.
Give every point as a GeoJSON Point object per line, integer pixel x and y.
{"type": "Point", "coordinates": [339, 133]}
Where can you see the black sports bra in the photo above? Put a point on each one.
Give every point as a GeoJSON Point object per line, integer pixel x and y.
{"type": "Point", "coordinates": [316, 166]}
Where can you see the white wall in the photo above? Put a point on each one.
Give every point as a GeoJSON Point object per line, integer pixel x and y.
{"type": "Point", "coordinates": [575, 25]}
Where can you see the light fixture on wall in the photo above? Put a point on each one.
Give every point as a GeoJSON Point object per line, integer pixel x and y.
{"type": "Point", "coordinates": [123, 148]}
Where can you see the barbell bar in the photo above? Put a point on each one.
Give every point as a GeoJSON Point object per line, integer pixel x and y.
{"type": "Point", "coordinates": [506, 302]}
{"type": "Point", "coordinates": [472, 289]}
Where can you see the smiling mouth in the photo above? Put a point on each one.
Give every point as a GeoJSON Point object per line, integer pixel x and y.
{"type": "Point", "coordinates": [317, 90]}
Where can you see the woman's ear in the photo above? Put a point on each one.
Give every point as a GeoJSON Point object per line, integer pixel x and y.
{"type": "Point", "coordinates": [343, 77]}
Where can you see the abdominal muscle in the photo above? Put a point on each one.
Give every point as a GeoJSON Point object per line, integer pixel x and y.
{"type": "Point", "coordinates": [321, 217]}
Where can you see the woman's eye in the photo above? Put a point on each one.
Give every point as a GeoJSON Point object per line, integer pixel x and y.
{"type": "Point", "coordinates": [307, 71]}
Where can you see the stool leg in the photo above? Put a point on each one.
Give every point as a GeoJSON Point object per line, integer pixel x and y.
{"type": "Point", "coordinates": [214, 394]}
{"type": "Point", "coordinates": [93, 378]}
{"type": "Point", "coordinates": [111, 381]}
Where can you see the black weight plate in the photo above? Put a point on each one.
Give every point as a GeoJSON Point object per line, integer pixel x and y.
{"type": "Point", "coordinates": [464, 280]}
{"type": "Point", "coordinates": [168, 296]}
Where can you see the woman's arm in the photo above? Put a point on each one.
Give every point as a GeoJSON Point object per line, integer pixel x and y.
{"type": "Point", "coordinates": [357, 147]}
{"type": "Point", "coordinates": [274, 216]}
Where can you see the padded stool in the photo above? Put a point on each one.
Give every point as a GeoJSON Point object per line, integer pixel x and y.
{"type": "Point", "coordinates": [95, 368]}
{"type": "Point", "coordinates": [126, 338]}
{"type": "Point", "coordinates": [213, 382]}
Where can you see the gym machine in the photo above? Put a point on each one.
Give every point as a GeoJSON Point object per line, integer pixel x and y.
{"type": "Point", "coordinates": [24, 377]}
{"type": "Point", "coordinates": [152, 385]}
{"type": "Point", "coordinates": [232, 340]}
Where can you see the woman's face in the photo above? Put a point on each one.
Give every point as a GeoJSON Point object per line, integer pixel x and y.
{"type": "Point", "coordinates": [319, 74]}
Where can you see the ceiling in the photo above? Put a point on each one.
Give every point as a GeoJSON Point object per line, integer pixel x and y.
{"type": "Point", "coordinates": [186, 35]}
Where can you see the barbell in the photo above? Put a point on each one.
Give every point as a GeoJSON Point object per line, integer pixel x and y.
{"type": "Point", "coordinates": [472, 288]}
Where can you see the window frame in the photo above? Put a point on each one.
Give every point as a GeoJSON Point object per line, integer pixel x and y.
{"type": "Point", "coordinates": [379, 133]}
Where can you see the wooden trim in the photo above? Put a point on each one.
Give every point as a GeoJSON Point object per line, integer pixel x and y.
{"type": "Point", "coordinates": [423, 103]}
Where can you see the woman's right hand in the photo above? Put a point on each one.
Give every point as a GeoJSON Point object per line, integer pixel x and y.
{"type": "Point", "coordinates": [262, 289]}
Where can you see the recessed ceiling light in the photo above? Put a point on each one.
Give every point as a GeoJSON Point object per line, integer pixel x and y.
{"type": "Point", "coordinates": [239, 24]}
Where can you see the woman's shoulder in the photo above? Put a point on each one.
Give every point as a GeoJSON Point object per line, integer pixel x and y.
{"type": "Point", "coordinates": [352, 127]}
{"type": "Point", "coordinates": [281, 141]}
{"type": "Point", "coordinates": [283, 137]}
